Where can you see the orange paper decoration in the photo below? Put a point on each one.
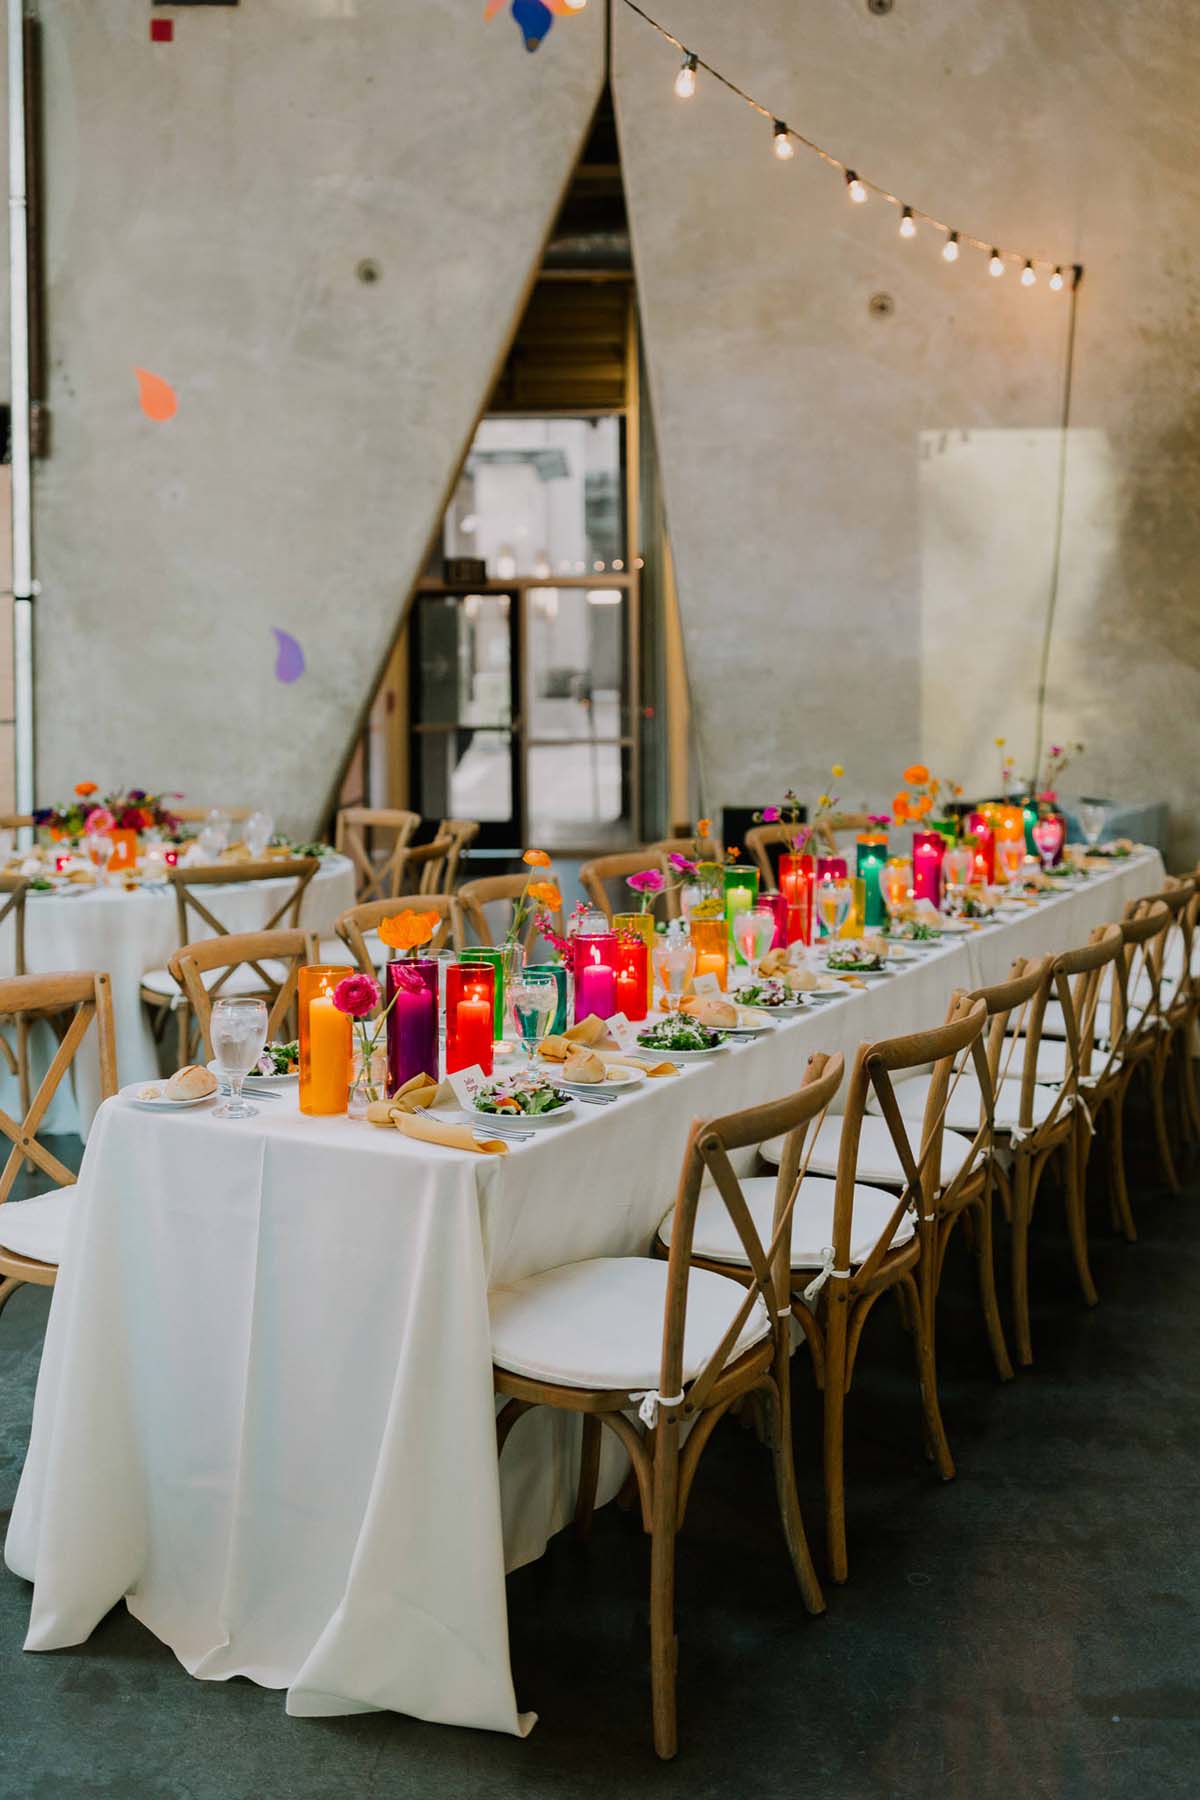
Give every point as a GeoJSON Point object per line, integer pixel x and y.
{"type": "Point", "coordinates": [158, 398]}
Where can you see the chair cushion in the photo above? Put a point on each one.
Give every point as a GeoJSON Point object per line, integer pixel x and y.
{"type": "Point", "coordinates": [599, 1324]}
{"type": "Point", "coordinates": [1051, 1062]}
{"type": "Point", "coordinates": [338, 956]}
{"type": "Point", "coordinates": [1054, 1026]}
{"type": "Point", "coordinates": [962, 1114]}
{"type": "Point", "coordinates": [243, 979]}
{"type": "Point", "coordinates": [812, 1222]}
{"type": "Point", "coordinates": [878, 1160]}
{"type": "Point", "coordinates": [37, 1227]}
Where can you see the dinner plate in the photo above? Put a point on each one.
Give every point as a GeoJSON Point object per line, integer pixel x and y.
{"type": "Point", "coordinates": [822, 996]}
{"type": "Point", "coordinates": [522, 1121]}
{"type": "Point", "coordinates": [617, 1079]}
{"type": "Point", "coordinates": [679, 1055]}
{"type": "Point", "coordinates": [961, 925]}
{"type": "Point", "coordinates": [255, 1079]}
{"type": "Point", "coordinates": [133, 1092]}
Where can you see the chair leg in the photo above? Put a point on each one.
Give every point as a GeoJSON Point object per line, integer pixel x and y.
{"type": "Point", "coordinates": [8, 1288]}
{"type": "Point", "coordinates": [664, 1645]}
{"type": "Point", "coordinates": [924, 1303]}
{"type": "Point", "coordinates": [985, 1264]}
{"type": "Point", "coordinates": [782, 1451]}
{"type": "Point", "coordinates": [1116, 1153]}
{"type": "Point", "coordinates": [834, 1454]}
{"type": "Point", "coordinates": [1076, 1203]}
{"type": "Point", "coordinates": [589, 1476]}
{"type": "Point", "coordinates": [1158, 1078]}
{"type": "Point", "coordinates": [1020, 1258]}
{"type": "Point", "coordinates": [1189, 1078]}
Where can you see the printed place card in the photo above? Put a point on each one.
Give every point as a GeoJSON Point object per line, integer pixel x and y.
{"type": "Point", "coordinates": [623, 1033]}
{"type": "Point", "coordinates": [705, 984]}
{"type": "Point", "coordinates": [467, 1083]}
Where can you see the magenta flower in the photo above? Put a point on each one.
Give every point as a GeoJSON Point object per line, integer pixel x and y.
{"type": "Point", "coordinates": [99, 819]}
{"type": "Point", "coordinates": [357, 995]}
{"type": "Point", "coordinates": [683, 865]}
{"type": "Point", "coordinates": [1056, 749]}
{"type": "Point", "coordinates": [770, 815]}
{"type": "Point", "coordinates": [647, 881]}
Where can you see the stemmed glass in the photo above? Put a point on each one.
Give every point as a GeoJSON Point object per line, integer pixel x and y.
{"type": "Point", "coordinates": [754, 933]}
{"type": "Point", "coordinates": [1093, 820]}
{"type": "Point", "coordinates": [1048, 836]}
{"type": "Point", "coordinates": [674, 965]}
{"type": "Point", "coordinates": [213, 837]}
{"type": "Point", "coordinates": [895, 884]}
{"type": "Point", "coordinates": [1011, 852]}
{"type": "Point", "coordinates": [238, 1031]}
{"type": "Point", "coordinates": [257, 832]}
{"type": "Point", "coordinates": [532, 1003]}
{"type": "Point", "coordinates": [835, 897]}
{"type": "Point", "coordinates": [958, 866]}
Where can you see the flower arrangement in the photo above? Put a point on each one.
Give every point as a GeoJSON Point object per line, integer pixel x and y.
{"type": "Point", "coordinates": [540, 891]}
{"type": "Point", "coordinates": [357, 996]}
{"type": "Point", "coordinates": [1046, 786]}
{"type": "Point", "coordinates": [407, 931]}
{"type": "Point", "coordinates": [650, 884]}
{"type": "Point", "coordinates": [920, 793]}
{"type": "Point", "coordinates": [1008, 768]}
{"type": "Point", "coordinates": [787, 814]}
{"type": "Point", "coordinates": [127, 809]}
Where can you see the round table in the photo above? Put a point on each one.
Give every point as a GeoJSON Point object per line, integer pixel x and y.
{"type": "Point", "coordinates": [128, 934]}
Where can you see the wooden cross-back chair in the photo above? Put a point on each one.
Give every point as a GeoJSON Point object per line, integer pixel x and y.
{"type": "Point", "coordinates": [761, 840]}
{"type": "Point", "coordinates": [358, 928]}
{"type": "Point", "coordinates": [276, 957]}
{"type": "Point", "coordinates": [442, 859]}
{"type": "Point", "coordinates": [688, 1344]}
{"type": "Point", "coordinates": [836, 825]}
{"type": "Point", "coordinates": [475, 897]}
{"type": "Point", "coordinates": [355, 836]}
{"type": "Point", "coordinates": [1170, 981]}
{"type": "Point", "coordinates": [196, 815]}
{"type": "Point", "coordinates": [32, 1231]}
{"type": "Point", "coordinates": [13, 891]}
{"type": "Point", "coordinates": [160, 989]}
{"type": "Point", "coordinates": [596, 874]}
{"type": "Point", "coordinates": [1189, 985]}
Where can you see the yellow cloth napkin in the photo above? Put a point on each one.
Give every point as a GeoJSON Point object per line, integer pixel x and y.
{"type": "Point", "coordinates": [400, 1113]}
{"type": "Point", "coordinates": [647, 1067]}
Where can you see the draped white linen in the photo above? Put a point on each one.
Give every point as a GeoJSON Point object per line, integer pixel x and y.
{"type": "Point", "coordinates": [265, 1416]}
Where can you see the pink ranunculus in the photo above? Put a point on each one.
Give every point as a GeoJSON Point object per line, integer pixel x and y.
{"type": "Point", "coordinates": [357, 995]}
{"type": "Point", "coordinates": [770, 815]}
{"type": "Point", "coordinates": [647, 881]}
{"type": "Point", "coordinates": [99, 819]}
{"type": "Point", "coordinates": [683, 865]}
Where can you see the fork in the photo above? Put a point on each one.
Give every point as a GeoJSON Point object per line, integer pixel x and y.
{"type": "Point", "coordinates": [504, 1131]}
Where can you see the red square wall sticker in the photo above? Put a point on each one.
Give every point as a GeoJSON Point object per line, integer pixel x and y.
{"type": "Point", "coordinates": [162, 31]}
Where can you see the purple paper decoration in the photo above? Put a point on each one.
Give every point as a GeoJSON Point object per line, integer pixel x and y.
{"type": "Point", "coordinates": [289, 664]}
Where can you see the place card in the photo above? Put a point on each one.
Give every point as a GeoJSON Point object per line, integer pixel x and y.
{"type": "Point", "coordinates": [467, 1084]}
{"type": "Point", "coordinates": [623, 1033]}
{"type": "Point", "coordinates": [705, 984]}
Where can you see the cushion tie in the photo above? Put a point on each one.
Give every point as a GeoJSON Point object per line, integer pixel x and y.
{"type": "Point", "coordinates": [651, 1400]}
{"type": "Point", "coordinates": [827, 1273]}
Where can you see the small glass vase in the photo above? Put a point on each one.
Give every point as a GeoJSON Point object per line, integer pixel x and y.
{"type": "Point", "coordinates": [368, 1075]}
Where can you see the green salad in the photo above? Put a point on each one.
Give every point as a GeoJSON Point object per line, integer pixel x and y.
{"type": "Point", "coordinates": [767, 993]}
{"type": "Point", "coordinates": [523, 1095]}
{"type": "Point", "coordinates": [912, 931]}
{"type": "Point", "coordinates": [852, 959]}
{"type": "Point", "coordinates": [679, 1032]}
{"type": "Point", "coordinates": [279, 1059]}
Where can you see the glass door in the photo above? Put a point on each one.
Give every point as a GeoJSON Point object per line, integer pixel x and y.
{"type": "Point", "coordinates": [464, 675]}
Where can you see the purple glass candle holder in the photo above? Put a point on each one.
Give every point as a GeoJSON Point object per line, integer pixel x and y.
{"type": "Point", "coordinates": [412, 1025]}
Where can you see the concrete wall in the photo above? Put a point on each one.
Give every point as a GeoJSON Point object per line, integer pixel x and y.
{"type": "Point", "coordinates": [862, 508]}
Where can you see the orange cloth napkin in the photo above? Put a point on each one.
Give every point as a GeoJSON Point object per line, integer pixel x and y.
{"type": "Point", "coordinates": [401, 1114]}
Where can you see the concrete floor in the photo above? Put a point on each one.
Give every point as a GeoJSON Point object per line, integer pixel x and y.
{"type": "Point", "coordinates": [1029, 1632]}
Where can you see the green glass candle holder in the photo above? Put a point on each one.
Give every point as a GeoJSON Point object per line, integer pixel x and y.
{"type": "Point", "coordinates": [483, 953]}
{"type": "Point", "coordinates": [741, 893]}
{"type": "Point", "coordinates": [871, 860]}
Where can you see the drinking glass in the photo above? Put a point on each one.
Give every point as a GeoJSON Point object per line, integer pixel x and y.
{"type": "Point", "coordinates": [674, 965]}
{"type": "Point", "coordinates": [1048, 836]}
{"type": "Point", "coordinates": [834, 900]}
{"type": "Point", "coordinates": [754, 933]}
{"type": "Point", "coordinates": [1093, 820]}
{"type": "Point", "coordinates": [238, 1030]}
{"type": "Point", "coordinates": [532, 1004]}
{"type": "Point", "coordinates": [99, 848]}
{"type": "Point", "coordinates": [895, 884]}
{"type": "Point", "coordinates": [1011, 852]}
{"type": "Point", "coordinates": [257, 832]}
{"type": "Point", "coordinates": [213, 837]}
{"type": "Point", "coordinates": [958, 865]}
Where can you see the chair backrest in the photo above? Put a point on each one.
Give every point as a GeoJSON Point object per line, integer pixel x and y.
{"type": "Point", "coordinates": [761, 840]}
{"type": "Point", "coordinates": [440, 873]}
{"type": "Point", "coordinates": [1136, 1005]}
{"type": "Point", "coordinates": [86, 997]}
{"type": "Point", "coordinates": [474, 897]}
{"type": "Point", "coordinates": [1077, 979]}
{"type": "Point", "coordinates": [961, 1037]}
{"type": "Point", "coordinates": [594, 877]}
{"type": "Point", "coordinates": [835, 825]}
{"type": "Point", "coordinates": [246, 949]}
{"type": "Point", "coordinates": [708, 1156]}
{"type": "Point", "coordinates": [1015, 1011]}
{"type": "Point", "coordinates": [298, 869]}
{"type": "Point", "coordinates": [196, 815]}
{"type": "Point", "coordinates": [357, 921]}
{"type": "Point", "coordinates": [1172, 954]}
{"type": "Point", "coordinates": [13, 890]}
{"type": "Point", "coordinates": [375, 877]}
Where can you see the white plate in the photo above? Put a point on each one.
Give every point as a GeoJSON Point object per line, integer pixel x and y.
{"type": "Point", "coordinates": [255, 1079]}
{"type": "Point", "coordinates": [619, 1078]}
{"type": "Point", "coordinates": [679, 1055]}
{"type": "Point", "coordinates": [132, 1094]}
{"type": "Point", "coordinates": [960, 925]}
{"type": "Point", "coordinates": [820, 996]}
{"type": "Point", "coordinates": [521, 1121]}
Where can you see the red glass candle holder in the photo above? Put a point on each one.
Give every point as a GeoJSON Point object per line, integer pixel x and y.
{"type": "Point", "coordinates": [596, 962]}
{"type": "Point", "coordinates": [470, 1011]}
{"type": "Point", "coordinates": [776, 904]}
{"type": "Point", "coordinates": [412, 1039]}
{"type": "Point", "coordinates": [633, 966]}
{"type": "Point", "coordinates": [979, 827]}
{"type": "Point", "coordinates": [831, 868]}
{"type": "Point", "coordinates": [929, 847]}
{"type": "Point", "coordinates": [797, 877]}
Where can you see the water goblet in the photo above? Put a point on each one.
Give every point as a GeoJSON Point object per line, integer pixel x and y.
{"type": "Point", "coordinates": [257, 832]}
{"type": "Point", "coordinates": [1048, 835]}
{"type": "Point", "coordinates": [238, 1031]}
{"type": "Point", "coordinates": [1093, 820]}
{"type": "Point", "coordinates": [532, 1003]}
{"type": "Point", "coordinates": [835, 897]}
{"type": "Point", "coordinates": [1011, 852]}
{"type": "Point", "coordinates": [674, 965]}
{"type": "Point", "coordinates": [895, 884]}
{"type": "Point", "coordinates": [213, 836]}
{"type": "Point", "coordinates": [958, 865]}
{"type": "Point", "coordinates": [754, 933]}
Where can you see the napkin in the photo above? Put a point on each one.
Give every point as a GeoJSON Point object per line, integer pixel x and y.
{"type": "Point", "coordinates": [400, 1114]}
{"type": "Point", "coordinates": [647, 1067]}
{"type": "Point", "coordinates": [588, 1031]}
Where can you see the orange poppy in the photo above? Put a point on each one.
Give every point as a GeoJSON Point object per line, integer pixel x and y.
{"type": "Point", "coordinates": [900, 808]}
{"type": "Point", "coordinates": [704, 828]}
{"type": "Point", "coordinates": [916, 774]}
{"type": "Point", "coordinates": [545, 893]}
{"type": "Point", "coordinates": [923, 806]}
{"type": "Point", "coordinates": [408, 929]}
{"type": "Point", "coordinates": [85, 788]}
{"type": "Point", "coordinates": [537, 859]}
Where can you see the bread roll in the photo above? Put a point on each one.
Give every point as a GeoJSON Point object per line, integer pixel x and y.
{"type": "Point", "coordinates": [709, 1010]}
{"type": "Point", "coordinates": [801, 981]}
{"type": "Point", "coordinates": [583, 1065]}
{"type": "Point", "coordinates": [190, 1083]}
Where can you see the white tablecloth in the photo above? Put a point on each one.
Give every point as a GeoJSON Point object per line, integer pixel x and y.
{"type": "Point", "coordinates": [128, 934]}
{"type": "Point", "coordinates": [265, 1412]}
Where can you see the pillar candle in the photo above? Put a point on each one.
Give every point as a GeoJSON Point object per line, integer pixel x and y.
{"type": "Point", "coordinates": [484, 953]}
{"type": "Point", "coordinates": [741, 893]}
{"type": "Point", "coordinates": [412, 1041]}
{"type": "Point", "coordinates": [710, 937]}
{"type": "Point", "coordinates": [929, 847]}
{"type": "Point", "coordinates": [325, 1041]}
{"type": "Point", "coordinates": [985, 847]}
{"type": "Point", "coordinates": [470, 998]}
{"type": "Point", "coordinates": [778, 906]}
{"type": "Point", "coordinates": [595, 991]}
{"type": "Point", "coordinates": [642, 924]}
{"type": "Point", "coordinates": [872, 856]}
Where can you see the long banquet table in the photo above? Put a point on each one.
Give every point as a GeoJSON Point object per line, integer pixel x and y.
{"type": "Point", "coordinates": [265, 1416]}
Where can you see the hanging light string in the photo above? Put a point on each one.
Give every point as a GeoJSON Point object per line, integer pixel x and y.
{"type": "Point", "coordinates": [859, 188]}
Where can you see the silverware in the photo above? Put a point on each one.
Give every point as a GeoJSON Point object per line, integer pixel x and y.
{"type": "Point", "coordinates": [489, 1130]}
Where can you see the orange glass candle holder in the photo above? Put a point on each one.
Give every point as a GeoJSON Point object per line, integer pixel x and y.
{"type": "Point", "coordinates": [711, 940]}
{"type": "Point", "coordinates": [325, 1035]}
{"type": "Point", "coordinates": [470, 1010]}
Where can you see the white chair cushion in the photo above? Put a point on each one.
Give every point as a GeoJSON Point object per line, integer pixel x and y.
{"type": "Point", "coordinates": [243, 979]}
{"type": "Point", "coordinates": [37, 1227]}
{"type": "Point", "coordinates": [1051, 1062]}
{"type": "Point", "coordinates": [962, 1114]}
{"type": "Point", "coordinates": [812, 1222]}
{"type": "Point", "coordinates": [878, 1160]}
{"type": "Point", "coordinates": [1054, 1025]}
{"type": "Point", "coordinates": [599, 1324]}
{"type": "Point", "coordinates": [337, 955]}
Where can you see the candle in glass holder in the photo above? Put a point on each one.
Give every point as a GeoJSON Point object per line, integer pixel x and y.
{"type": "Point", "coordinates": [324, 1042]}
{"type": "Point", "coordinates": [124, 849]}
{"type": "Point", "coordinates": [596, 957]}
{"type": "Point", "coordinates": [929, 847]}
{"type": "Point", "coordinates": [831, 868]}
{"type": "Point", "coordinates": [980, 829]}
{"type": "Point", "coordinates": [470, 1019]}
{"type": "Point", "coordinates": [1029, 813]}
{"type": "Point", "coordinates": [741, 893]}
{"type": "Point", "coordinates": [632, 963]}
{"type": "Point", "coordinates": [412, 1039]}
{"type": "Point", "coordinates": [778, 907]}
{"type": "Point", "coordinates": [486, 953]}
{"type": "Point", "coordinates": [797, 877]}
{"type": "Point", "coordinates": [562, 990]}
{"type": "Point", "coordinates": [642, 923]}
{"type": "Point", "coordinates": [871, 860]}
{"type": "Point", "coordinates": [710, 938]}
{"type": "Point", "coordinates": [171, 858]}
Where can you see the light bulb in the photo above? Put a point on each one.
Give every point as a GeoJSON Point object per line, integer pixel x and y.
{"type": "Point", "coordinates": [855, 188]}
{"type": "Point", "coordinates": [1056, 281]}
{"type": "Point", "coordinates": [996, 265]}
{"type": "Point", "coordinates": [784, 147]}
{"type": "Point", "coordinates": [576, 5]}
{"type": "Point", "coordinates": [908, 225]}
{"type": "Point", "coordinates": [950, 247]}
{"type": "Point", "coordinates": [685, 81]}
{"type": "Point", "coordinates": [1028, 275]}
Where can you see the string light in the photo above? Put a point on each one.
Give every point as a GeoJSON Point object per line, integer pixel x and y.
{"type": "Point", "coordinates": [858, 188]}
{"type": "Point", "coordinates": [685, 81]}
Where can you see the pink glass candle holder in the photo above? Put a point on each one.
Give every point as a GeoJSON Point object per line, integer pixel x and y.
{"type": "Point", "coordinates": [412, 1042]}
{"type": "Point", "coordinates": [470, 1013]}
{"type": "Point", "coordinates": [632, 977]}
{"type": "Point", "coordinates": [929, 847]}
{"type": "Point", "coordinates": [596, 962]}
{"type": "Point", "coordinates": [778, 906]}
{"type": "Point", "coordinates": [980, 829]}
